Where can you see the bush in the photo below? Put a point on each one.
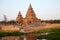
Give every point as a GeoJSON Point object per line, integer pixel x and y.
{"type": "Point", "coordinates": [15, 33]}
{"type": "Point", "coordinates": [53, 35]}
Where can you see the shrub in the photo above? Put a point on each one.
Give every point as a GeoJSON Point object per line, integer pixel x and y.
{"type": "Point", "coordinates": [14, 33]}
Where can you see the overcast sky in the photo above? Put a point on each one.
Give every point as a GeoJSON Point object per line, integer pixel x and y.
{"type": "Point", "coordinates": [44, 9]}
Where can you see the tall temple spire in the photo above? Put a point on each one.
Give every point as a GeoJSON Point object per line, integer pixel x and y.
{"type": "Point", "coordinates": [19, 17]}
{"type": "Point", "coordinates": [30, 6]}
{"type": "Point", "coordinates": [30, 12]}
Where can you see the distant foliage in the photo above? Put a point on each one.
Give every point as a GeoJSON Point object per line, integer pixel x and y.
{"type": "Point", "coordinates": [52, 21]}
{"type": "Point", "coordinates": [8, 22]}
{"type": "Point", "coordinates": [2, 22]}
{"type": "Point", "coordinates": [11, 22]}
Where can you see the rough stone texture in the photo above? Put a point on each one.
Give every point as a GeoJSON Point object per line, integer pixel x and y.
{"type": "Point", "coordinates": [30, 17]}
{"type": "Point", "coordinates": [30, 13]}
{"type": "Point", "coordinates": [19, 18]}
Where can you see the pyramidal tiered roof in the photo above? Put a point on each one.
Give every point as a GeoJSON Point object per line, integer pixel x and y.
{"type": "Point", "coordinates": [19, 17]}
{"type": "Point", "coordinates": [30, 13]}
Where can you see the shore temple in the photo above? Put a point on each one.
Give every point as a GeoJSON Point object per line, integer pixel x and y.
{"type": "Point", "coordinates": [29, 19]}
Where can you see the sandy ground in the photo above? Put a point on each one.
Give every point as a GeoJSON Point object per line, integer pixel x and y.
{"type": "Point", "coordinates": [29, 28]}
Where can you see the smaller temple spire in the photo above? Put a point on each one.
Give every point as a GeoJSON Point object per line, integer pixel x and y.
{"type": "Point", "coordinates": [19, 17]}
{"type": "Point", "coordinates": [19, 14]}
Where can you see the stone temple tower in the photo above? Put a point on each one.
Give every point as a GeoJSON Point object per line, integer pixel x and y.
{"type": "Point", "coordinates": [30, 13]}
{"type": "Point", "coordinates": [19, 18]}
{"type": "Point", "coordinates": [30, 16]}
{"type": "Point", "coordinates": [29, 19]}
